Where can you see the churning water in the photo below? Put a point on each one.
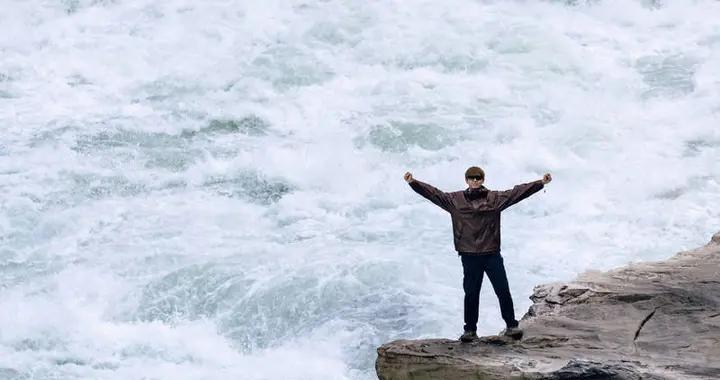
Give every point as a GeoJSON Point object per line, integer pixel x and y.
{"type": "Point", "coordinates": [213, 189]}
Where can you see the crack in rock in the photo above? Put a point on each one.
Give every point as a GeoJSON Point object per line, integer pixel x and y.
{"type": "Point", "coordinates": [644, 321]}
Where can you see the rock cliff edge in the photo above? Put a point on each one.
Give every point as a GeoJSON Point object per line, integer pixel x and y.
{"type": "Point", "coordinates": [657, 320]}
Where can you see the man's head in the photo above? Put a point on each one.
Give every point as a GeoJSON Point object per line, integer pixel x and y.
{"type": "Point", "coordinates": [474, 177]}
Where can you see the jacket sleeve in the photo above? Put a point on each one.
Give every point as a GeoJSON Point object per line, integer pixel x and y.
{"type": "Point", "coordinates": [433, 194]}
{"type": "Point", "coordinates": [508, 198]}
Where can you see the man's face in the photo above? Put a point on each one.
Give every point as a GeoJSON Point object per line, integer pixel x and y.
{"type": "Point", "coordinates": [474, 182]}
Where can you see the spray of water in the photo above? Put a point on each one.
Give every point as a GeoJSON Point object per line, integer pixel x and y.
{"type": "Point", "coordinates": [196, 190]}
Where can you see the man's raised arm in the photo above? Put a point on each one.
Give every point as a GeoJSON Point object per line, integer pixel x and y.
{"type": "Point", "coordinates": [430, 192]}
{"type": "Point", "coordinates": [519, 192]}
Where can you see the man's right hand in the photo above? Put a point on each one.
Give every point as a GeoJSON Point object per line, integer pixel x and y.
{"type": "Point", "coordinates": [408, 177]}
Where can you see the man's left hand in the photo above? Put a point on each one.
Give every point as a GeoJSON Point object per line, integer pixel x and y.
{"type": "Point", "coordinates": [546, 178]}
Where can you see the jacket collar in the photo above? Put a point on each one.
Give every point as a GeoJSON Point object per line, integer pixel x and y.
{"type": "Point", "coordinates": [476, 194]}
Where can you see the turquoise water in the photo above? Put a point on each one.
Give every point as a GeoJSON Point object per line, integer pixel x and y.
{"type": "Point", "coordinates": [214, 190]}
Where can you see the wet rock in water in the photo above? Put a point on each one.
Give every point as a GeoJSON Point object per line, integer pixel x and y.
{"type": "Point", "coordinates": [656, 320]}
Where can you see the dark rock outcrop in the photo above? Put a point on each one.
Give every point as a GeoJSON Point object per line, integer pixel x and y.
{"type": "Point", "coordinates": [658, 320]}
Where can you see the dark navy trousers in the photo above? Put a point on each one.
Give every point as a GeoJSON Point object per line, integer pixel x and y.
{"type": "Point", "coordinates": [473, 269]}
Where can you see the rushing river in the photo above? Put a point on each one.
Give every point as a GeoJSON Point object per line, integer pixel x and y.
{"type": "Point", "coordinates": [213, 189]}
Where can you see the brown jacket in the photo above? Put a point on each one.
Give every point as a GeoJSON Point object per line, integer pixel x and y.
{"type": "Point", "coordinates": [476, 214]}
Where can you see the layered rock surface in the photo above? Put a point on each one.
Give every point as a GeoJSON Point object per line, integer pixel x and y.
{"type": "Point", "coordinates": [657, 320]}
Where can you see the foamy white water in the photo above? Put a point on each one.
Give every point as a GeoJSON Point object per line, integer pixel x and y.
{"type": "Point", "coordinates": [210, 190]}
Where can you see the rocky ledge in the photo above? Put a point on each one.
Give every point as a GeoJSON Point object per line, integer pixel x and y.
{"type": "Point", "coordinates": [658, 320]}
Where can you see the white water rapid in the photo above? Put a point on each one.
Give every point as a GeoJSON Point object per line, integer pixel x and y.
{"type": "Point", "coordinates": [213, 189]}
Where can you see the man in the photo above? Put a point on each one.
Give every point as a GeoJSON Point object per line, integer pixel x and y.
{"type": "Point", "coordinates": [475, 214]}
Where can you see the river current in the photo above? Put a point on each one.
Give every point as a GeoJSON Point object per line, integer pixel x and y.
{"type": "Point", "coordinates": [213, 189]}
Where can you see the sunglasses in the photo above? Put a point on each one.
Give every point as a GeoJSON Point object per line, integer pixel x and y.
{"type": "Point", "coordinates": [476, 178]}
